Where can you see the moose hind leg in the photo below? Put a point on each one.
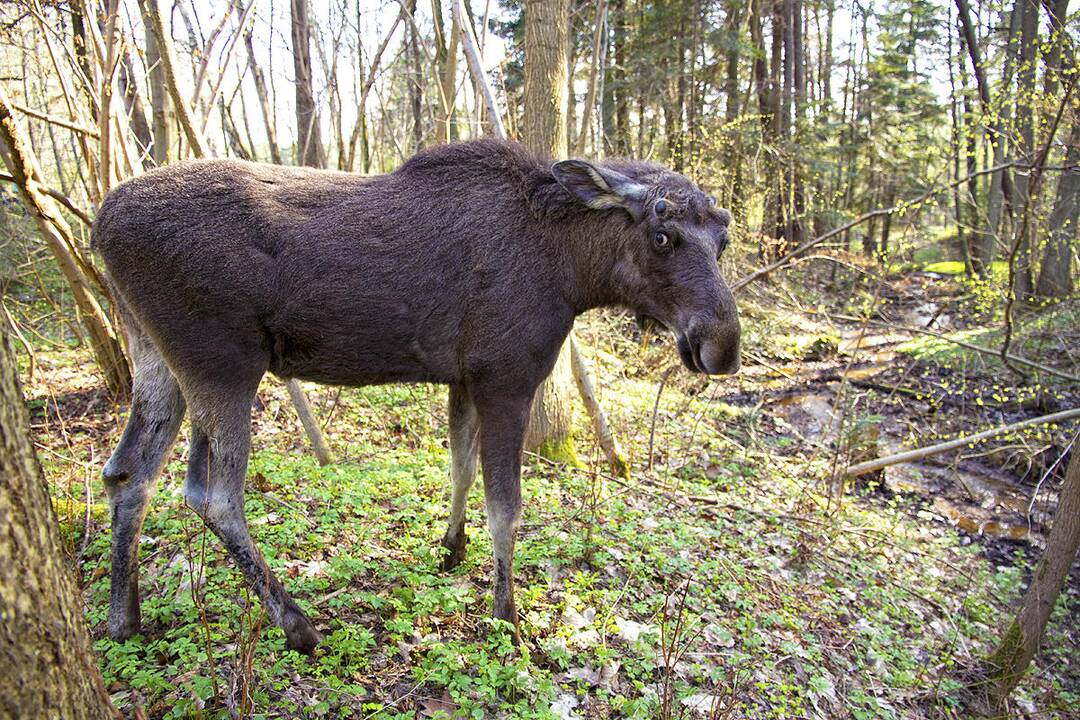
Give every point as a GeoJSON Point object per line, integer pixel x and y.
{"type": "Point", "coordinates": [157, 409]}
{"type": "Point", "coordinates": [215, 490]}
{"type": "Point", "coordinates": [464, 443]}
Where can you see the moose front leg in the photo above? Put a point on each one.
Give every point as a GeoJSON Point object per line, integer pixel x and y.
{"type": "Point", "coordinates": [502, 432]}
{"type": "Point", "coordinates": [464, 437]}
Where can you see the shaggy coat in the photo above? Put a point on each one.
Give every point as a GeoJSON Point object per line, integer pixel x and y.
{"type": "Point", "coordinates": [466, 267]}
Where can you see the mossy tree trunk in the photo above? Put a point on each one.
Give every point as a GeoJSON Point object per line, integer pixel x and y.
{"type": "Point", "coordinates": [1018, 646]}
{"type": "Point", "coordinates": [50, 669]}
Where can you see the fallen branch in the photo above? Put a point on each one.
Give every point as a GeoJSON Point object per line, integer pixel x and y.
{"type": "Point", "coordinates": [608, 442]}
{"type": "Point", "coordinates": [920, 453]}
{"type": "Point", "coordinates": [307, 419]}
{"type": "Point", "coordinates": [964, 344]}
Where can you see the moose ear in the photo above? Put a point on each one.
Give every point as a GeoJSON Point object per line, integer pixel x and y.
{"type": "Point", "coordinates": [598, 187]}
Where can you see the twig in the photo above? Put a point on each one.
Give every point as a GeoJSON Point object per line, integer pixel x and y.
{"type": "Point", "coordinates": [970, 346]}
{"type": "Point", "coordinates": [655, 411]}
{"type": "Point", "coordinates": [920, 453]}
{"type": "Point", "coordinates": [903, 206]}
{"type": "Point", "coordinates": [58, 196]}
{"type": "Point", "coordinates": [54, 120]}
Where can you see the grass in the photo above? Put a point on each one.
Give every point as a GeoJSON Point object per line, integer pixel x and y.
{"type": "Point", "coordinates": [721, 578]}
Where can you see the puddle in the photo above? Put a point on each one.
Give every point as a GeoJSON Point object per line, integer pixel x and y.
{"type": "Point", "coordinates": [928, 315]}
{"type": "Point", "coordinates": [977, 503]}
{"type": "Point", "coordinates": [810, 413]}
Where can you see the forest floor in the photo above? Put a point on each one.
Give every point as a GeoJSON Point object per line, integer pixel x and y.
{"type": "Point", "coordinates": [732, 575]}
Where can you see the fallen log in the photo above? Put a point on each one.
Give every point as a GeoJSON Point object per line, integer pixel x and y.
{"type": "Point", "coordinates": [920, 453]}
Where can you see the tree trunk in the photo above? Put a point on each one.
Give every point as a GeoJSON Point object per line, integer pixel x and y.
{"type": "Point", "coordinates": [160, 102]}
{"type": "Point", "coordinates": [546, 31]}
{"type": "Point", "coordinates": [309, 149]}
{"type": "Point", "coordinates": [61, 241]}
{"type": "Point", "coordinates": [1007, 665]}
{"type": "Point", "coordinates": [49, 663]}
{"type": "Point", "coordinates": [1055, 275]}
{"type": "Point", "coordinates": [1001, 185]}
{"type": "Point", "coordinates": [261, 92]}
{"type": "Point", "coordinates": [416, 81]}
{"type": "Point", "coordinates": [134, 106]}
{"type": "Point", "coordinates": [446, 45]}
{"type": "Point", "coordinates": [1026, 109]}
{"type": "Point", "coordinates": [156, 25]}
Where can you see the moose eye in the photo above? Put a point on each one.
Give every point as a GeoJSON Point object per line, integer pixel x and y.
{"type": "Point", "coordinates": [661, 206]}
{"type": "Point", "coordinates": [662, 241]}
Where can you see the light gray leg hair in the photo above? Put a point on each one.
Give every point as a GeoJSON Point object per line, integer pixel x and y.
{"type": "Point", "coordinates": [464, 444]}
{"type": "Point", "coordinates": [157, 409]}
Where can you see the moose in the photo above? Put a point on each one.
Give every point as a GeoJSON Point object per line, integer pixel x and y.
{"type": "Point", "coordinates": [464, 267]}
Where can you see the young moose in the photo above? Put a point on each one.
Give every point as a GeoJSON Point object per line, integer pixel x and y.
{"type": "Point", "coordinates": [466, 267]}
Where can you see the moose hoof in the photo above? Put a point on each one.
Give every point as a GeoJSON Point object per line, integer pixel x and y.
{"type": "Point", "coordinates": [301, 635]}
{"type": "Point", "coordinates": [123, 627]}
{"type": "Point", "coordinates": [505, 609]}
{"type": "Point", "coordinates": [455, 548]}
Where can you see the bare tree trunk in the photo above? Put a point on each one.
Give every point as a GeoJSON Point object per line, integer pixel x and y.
{"type": "Point", "coordinates": [594, 72]}
{"type": "Point", "coordinates": [1055, 275]}
{"type": "Point", "coordinates": [161, 103]}
{"type": "Point", "coordinates": [152, 13]}
{"type": "Point", "coordinates": [546, 32]}
{"type": "Point", "coordinates": [1018, 646]}
{"type": "Point", "coordinates": [309, 148]}
{"type": "Point", "coordinates": [108, 351]}
{"type": "Point", "coordinates": [446, 47]}
{"type": "Point", "coordinates": [1001, 185]}
{"type": "Point", "coordinates": [416, 81]}
{"type": "Point", "coordinates": [49, 664]}
{"type": "Point", "coordinates": [133, 102]}
{"type": "Point", "coordinates": [261, 92]}
{"type": "Point", "coordinates": [1026, 109]}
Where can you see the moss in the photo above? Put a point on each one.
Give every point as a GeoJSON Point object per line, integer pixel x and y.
{"type": "Point", "coordinates": [560, 451]}
{"type": "Point", "coordinates": [1001, 667]}
{"type": "Point", "coordinates": [621, 467]}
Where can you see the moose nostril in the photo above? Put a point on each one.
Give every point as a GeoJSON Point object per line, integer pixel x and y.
{"type": "Point", "coordinates": [719, 359]}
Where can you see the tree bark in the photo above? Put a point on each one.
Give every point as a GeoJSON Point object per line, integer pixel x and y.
{"type": "Point", "coordinates": [1055, 275]}
{"type": "Point", "coordinates": [309, 148]}
{"type": "Point", "coordinates": [546, 31]}
{"type": "Point", "coordinates": [160, 102]}
{"type": "Point", "coordinates": [1018, 646]}
{"type": "Point", "coordinates": [108, 351]}
{"type": "Point", "coordinates": [49, 664]}
{"type": "Point", "coordinates": [261, 93]}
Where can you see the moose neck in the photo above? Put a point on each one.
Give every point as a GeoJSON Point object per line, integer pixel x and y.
{"type": "Point", "coordinates": [592, 254]}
